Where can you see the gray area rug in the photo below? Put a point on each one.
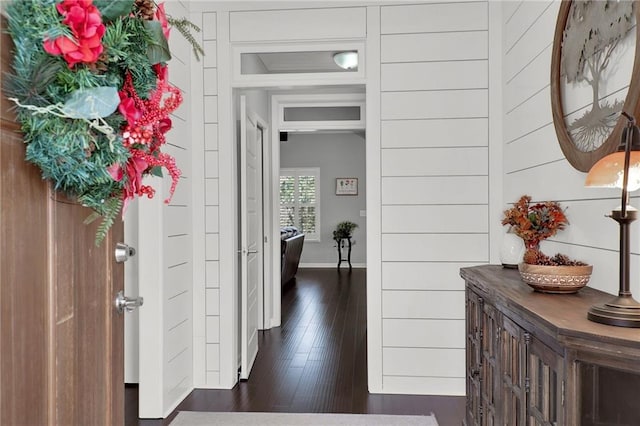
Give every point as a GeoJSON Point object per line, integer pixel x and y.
{"type": "Point", "coordinates": [196, 418]}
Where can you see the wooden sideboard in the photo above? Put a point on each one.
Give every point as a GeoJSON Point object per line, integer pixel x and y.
{"type": "Point", "coordinates": [535, 358]}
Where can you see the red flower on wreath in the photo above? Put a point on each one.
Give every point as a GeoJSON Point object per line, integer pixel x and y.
{"type": "Point", "coordinates": [161, 16]}
{"type": "Point", "coordinates": [147, 122]}
{"type": "Point", "coordinates": [87, 29]}
{"type": "Point", "coordinates": [128, 108]}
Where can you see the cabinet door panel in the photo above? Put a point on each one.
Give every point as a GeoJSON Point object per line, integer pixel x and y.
{"type": "Point", "coordinates": [474, 361]}
{"type": "Point", "coordinates": [545, 372]}
{"type": "Point", "coordinates": [490, 368]}
{"type": "Point", "coordinates": [512, 366]}
{"type": "Point", "coordinates": [608, 396]}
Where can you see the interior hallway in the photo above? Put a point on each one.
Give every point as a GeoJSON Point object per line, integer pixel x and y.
{"type": "Point", "coordinates": [316, 362]}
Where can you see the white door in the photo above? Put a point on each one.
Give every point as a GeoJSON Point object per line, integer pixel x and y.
{"type": "Point", "coordinates": [250, 234]}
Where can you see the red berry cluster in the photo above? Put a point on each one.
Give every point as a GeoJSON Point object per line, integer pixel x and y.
{"type": "Point", "coordinates": [136, 135]}
{"type": "Point", "coordinates": [146, 135]}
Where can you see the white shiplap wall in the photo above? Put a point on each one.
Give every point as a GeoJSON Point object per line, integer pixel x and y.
{"type": "Point", "coordinates": [430, 89]}
{"type": "Point", "coordinates": [166, 259]}
{"type": "Point", "coordinates": [533, 161]}
{"type": "Point", "coordinates": [434, 139]}
{"type": "Point", "coordinates": [211, 201]}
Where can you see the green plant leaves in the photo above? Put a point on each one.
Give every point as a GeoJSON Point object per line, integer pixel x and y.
{"type": "Point", "coordinates": [344, 229]}
{"type": "Point", "coordinates": [158, 49]}
{"type": "Point", "coordinates": [156, 171]}
{"type": "Point", "coordinates": [97, 102]}
{"type": "Point", "coordinates": [112, 9]}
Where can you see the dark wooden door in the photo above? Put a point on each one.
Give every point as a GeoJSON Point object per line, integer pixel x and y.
{"type": "Point", "coordinates": [61, 340]}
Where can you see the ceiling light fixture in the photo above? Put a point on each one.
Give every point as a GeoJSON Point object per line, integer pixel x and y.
{"type": "Point", "coordinates": [346, 60]}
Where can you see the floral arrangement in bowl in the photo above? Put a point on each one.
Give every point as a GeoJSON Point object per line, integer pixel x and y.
{"type": "Point", "coordinates": [535, 222]}
{"type": "Point", "coordinates": [556, 274]}
{"type": "Point", "coordinates": [92, 93]}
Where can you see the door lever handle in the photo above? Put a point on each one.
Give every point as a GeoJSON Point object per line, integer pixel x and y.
{"type": "Point", "coordinates": [127, 304]}
{"type": "Point", "coordinates": [245, 251]}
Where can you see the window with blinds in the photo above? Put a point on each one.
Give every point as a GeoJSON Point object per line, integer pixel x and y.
{"type": "Point", "coordinates": [300, 200]}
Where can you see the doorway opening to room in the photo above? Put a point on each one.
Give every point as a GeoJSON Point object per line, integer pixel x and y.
{"type": "Point", "coordinates": [300, 82]}
{"type": "Point", "coordinates": [317, 140]}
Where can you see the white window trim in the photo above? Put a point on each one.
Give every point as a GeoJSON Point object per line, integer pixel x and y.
{"type": "Point", "coordinates": [301, 78]}
{"type": "Point", "coordinates": [306, 171]}
{"type": "Point", "coordinates": [335, 100]}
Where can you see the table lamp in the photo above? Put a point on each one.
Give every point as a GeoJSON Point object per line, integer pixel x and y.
{"type": "Point", "coordinates": [620, 169]}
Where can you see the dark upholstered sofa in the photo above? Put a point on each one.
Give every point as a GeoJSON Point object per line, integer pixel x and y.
{"type": "Point", "coordinates": [291, 242]}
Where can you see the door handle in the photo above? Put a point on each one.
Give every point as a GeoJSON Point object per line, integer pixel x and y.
{"type": "Point", "coordinates": [127, 304]}
{"type": "Point", "coordinates": [245, 251]}
{"type": "Point", "coordinates": [123, 252]}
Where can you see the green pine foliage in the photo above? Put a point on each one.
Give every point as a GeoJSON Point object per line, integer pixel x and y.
{"type": "Point", "coordinates": [68, 151]}
{"type": "Point", "coordinates": [109, 211]}
{"type": "Point", "coordinates": [184, 26]}
{"type": "Point", "coordinates": [132, 40]}
{"type": "Point", "coordinates": [75, 153]}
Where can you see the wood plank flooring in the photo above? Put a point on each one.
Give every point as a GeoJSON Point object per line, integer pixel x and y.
{"type": "Point", "coordinates": [316, 361]}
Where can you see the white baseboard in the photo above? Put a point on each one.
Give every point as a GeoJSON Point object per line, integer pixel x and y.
{"type": "Point", "coordinates": [332, 265]}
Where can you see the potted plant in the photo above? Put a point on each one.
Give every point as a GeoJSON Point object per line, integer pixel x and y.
{"type": "Point", "coordinates": [535, 223]}
{"type": "Point", "coordinates": [344, 230]}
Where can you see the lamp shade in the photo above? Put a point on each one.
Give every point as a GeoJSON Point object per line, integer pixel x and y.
{"type": "Point", "coordinates": [608, 172]}
{"type": "Point", "coordinates": [346, 60]}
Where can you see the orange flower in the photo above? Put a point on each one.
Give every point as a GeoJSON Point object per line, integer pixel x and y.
{"type": "Point", "coordinates": [534, 223]}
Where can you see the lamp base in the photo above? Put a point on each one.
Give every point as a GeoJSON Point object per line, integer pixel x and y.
{"type": "Point", "coordinates": [620, 312]}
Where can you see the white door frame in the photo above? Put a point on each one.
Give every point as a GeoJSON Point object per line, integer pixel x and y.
{"type": "Point", "coordinates": [227, 86]}
{"type": "Point", "coordinates": [247, 354]}
{"type": "Point", "coordinates": [278, 103]}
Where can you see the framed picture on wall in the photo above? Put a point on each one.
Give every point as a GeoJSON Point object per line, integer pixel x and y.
{"type": "Point", "coordinates": [346, 186]}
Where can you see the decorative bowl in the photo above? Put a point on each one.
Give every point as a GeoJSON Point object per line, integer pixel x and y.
{"type": "Point", "coordinates": [555, 279]}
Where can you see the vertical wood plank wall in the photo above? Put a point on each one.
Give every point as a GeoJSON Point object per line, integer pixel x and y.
{"type": "Point", "coordinates": [211, 201]}
{"type": "Point", "coordinates": [533, 161]}
{"type": "Point", "coordinates": [177, 234]}
{"type": "Point", "coordinates": [434, 140]}
{"type": "Point", "coordinates": [165, 257]}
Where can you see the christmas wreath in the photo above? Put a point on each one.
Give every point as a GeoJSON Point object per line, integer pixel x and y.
{"type": "Point", "coordinates": [92, 94]}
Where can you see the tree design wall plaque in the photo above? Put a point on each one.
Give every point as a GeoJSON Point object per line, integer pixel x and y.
{"type": "Point", "coordinates": [595, 55]}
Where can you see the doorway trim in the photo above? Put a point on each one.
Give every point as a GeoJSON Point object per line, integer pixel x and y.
{"type": "Point", "coordinates": [278, 103]}
{"type": "Point", "coordinates": [226, 377]}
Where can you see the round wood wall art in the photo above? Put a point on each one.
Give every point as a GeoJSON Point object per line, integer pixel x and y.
{"type": "Point", "coordinates": [594, 76]}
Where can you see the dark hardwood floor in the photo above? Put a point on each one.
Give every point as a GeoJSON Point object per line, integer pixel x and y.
{"type": "Point", "coordinates": [315, 362]}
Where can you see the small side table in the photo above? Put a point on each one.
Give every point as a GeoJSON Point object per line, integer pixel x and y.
{"type": "Point", "coordinates": [345, 244]}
